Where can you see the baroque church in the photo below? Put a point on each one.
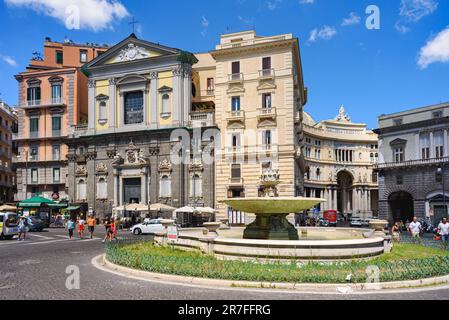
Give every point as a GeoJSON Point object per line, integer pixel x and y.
{"type": "Point", "coordinates": [139, 118]}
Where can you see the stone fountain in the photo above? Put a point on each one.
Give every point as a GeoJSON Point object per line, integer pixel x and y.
{"type": "Point", "coordinates": [271, 210]}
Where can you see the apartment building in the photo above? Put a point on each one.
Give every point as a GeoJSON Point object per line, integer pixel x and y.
{"type": "Point", "coordinates": [52, 96]}
{"type": "Point", "coordinates": [413, 164]}
{"type": "Point", "coordinates": [8, 128]}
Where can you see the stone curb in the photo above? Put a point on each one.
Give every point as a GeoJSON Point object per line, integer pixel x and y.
{"type": "Point", "coordinates": [236, 284]}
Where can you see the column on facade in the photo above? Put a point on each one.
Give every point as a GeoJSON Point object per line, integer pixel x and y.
{"type": "Point", "coordinates": [432, 146]}
{"type": "Point", "coordinates": [334, 199]}
{"type": "Point", "coordinates": [112, 99]}
{"type": "Point", "coordinates": [91, 105]}
{"type": "Point", "coordinates": [348, 206]}
{"type": "Point", "coordinates": [325, 196]}
{"type": "Point", "coordinates": [187, 92]}
{"type": "Point", "coordinates": [446, 144]}
{"type": "Point", "coordinates": [143, 188]}
{"type": "Point", "coordinates": [368, 200]}
{"type": "Point", "coordinates": [116, 188]}
{"type": "Point", "coordinates": [177, 94]}
{"type": "Point", "coordinates": [357, 199]}
{"type": "Point", "coordinates": [154, 100]}
{"type": "Point", "coordinates": [120, 187]}
{"type": "Point", "coordinates": [417, 147]}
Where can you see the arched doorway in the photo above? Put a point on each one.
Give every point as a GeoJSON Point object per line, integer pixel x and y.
{"type": "Point", "coordinates": [401, 206]}
{"type": "Point", "coordinates": [344, 192]}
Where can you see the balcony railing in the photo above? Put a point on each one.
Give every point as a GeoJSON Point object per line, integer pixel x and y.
{"type": "Point", "coordinates": [236, 181]}
{"type": "Point", "coordinates": [263, 113]}
{"type": "Point", "coordinates": [266, 74]}
{"type": "Point", "coordinates": [411, 163]}
{"type": "Point", "coordinates": [46, 103]}
{"type": "Point", "coordinates": [202, 119]}
{"type": "Point", "coordinates": [236, 77]}
{"type": "Point", "coordinates": [234, 150]}
{"type": "Point", "coordinates": [56, 133]}
{"type": "Point", "coordinates": [236, 114]}
{"type": "Point", "coordinates": [34, 134]}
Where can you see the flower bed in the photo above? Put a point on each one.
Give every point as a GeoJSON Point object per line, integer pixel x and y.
{"type": "Point", "coordinates": [406, 262]}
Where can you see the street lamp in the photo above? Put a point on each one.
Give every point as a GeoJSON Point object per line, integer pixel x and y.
{"type": "Point", "coordinates": [441, 172]}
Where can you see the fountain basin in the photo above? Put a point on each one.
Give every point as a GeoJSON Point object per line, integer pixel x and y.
{"type": "Point", "coordinates": [271, 215]}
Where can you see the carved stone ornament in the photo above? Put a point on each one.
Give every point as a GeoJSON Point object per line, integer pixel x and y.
{"type": "Point", "coordinates": [81, 171]}
{"type": "Point", "coordinates": [131, 53]}
{"type": "Point", "coordinates": [196, 165]}
{"type": "Point", "coordinates": [342, 115]}
{"type": "Point", "coordinates": [118, 160]}
{"type": "Point", "coordinates": [102, 168]}
{"type": "Point", "coordinates": [165, 166]}
{"type": "Point", "coordinates": [111, 153]}
{"type": "Point", "coordinates": [71, 157]}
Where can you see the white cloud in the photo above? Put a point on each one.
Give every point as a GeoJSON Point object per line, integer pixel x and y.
{"type": "Point", "coordinates": [204, 22]}
{"type": "Point", "coordinates": [306, 1]}
{"type": "Point", "coordinates": [9, 60]}
{"type": "Point", "coordinates": [95, 15]}
{"type": "Point", "coordinates": [435, 50]}
{"type": "Point", "coordinates": [412, 11]}
{"type": "Point", "coordinates": [325, 33]}
{"type": "Point", "coordinates": [353, 18]}
{"type": "Point", "coordinates": [273, 4]}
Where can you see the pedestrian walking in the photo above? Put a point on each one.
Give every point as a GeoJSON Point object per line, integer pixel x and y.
{"type": "Point", "coordinates": [443, 231]}
{"type": "Point", "coordinates": [71, 227]}
{"type": "Point", "coordinates": [396, 232]}
{"type": "Point", "coordinates": [415, 230]}
{"type": "Point", "coordinates": [108, 228]}
{"type": "Point", "coordinates": [91, 222]}
{"type": "Point", "coordinates": [113, 230]}
{"type": "Point", "coordinates": [23, 228]}
{"type": "Point", "coordinates": [81, 227]}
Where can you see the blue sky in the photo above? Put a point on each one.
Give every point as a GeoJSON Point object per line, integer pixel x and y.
{"type": "Point", "coordinates": [404, 64]}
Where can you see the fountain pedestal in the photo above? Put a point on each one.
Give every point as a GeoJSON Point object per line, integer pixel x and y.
{"type": "Point", "coordinates": [271, 227]}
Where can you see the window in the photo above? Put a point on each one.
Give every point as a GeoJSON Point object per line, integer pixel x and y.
{"type": "Point", "coordinates": [425, 146]}
{"type": "Point", "coordinates": [34, 96]}
{"type": "Point", "coordinates": [318, 143]}
{"type": "Point", "coordinates": [437, 114]}
{"type": "Point", "coordinates": [398, 155]}
{"type": "Point", "coordinates": [102, 114]}
{"type": "Point", "coordinates": [266, 66]}
{"type": "Point", "coordinates": [56, 152]}
{"type": "Point", "coordinates": [236, 68]}
{"type": "Point", "coordinates": [399, 180]}
{"type": "Point", "coordinates": [34, 127]}
{"type": "Point", "coordinates": [439, 177]}
{"type": "Point", "coordinates": [236, 141]}
{"type": "Point", "coordinates": [134, 107]}
{"type": "Point", "coordinates": [34, 176]}
{"type": "Point", "coordinates": [165, 187]}
{"type": "Point", "coordinates": [266, 137]}
{"type": "Point", "coordinates": [439, 144]}
{"type": "Point", "coordinates": [235, 101]}
{"type": "Point", "coordinates": [236, 171]}
{"type": "Point", "coordinates": [398, 122]}
{"type": "Point", "coordinates": [56, 93]}
{"type": "Point", "coordinates": [83, 56]}
{"type": "Point", "coordinates": [165, 105]}
{"type": "Point", "coordinates": [56, 175]}
{"type": "Point", "coordinates": [210, 86]}
{"type": "Point", "coordinates": [318, 174]}
{"type": "Point", "coordinates": [266, 101]}
{"type": "Point", "coordinates": [59, 57]}
{"type": "Point", "coordinates": [196, 186]}
{"type": "Point", "coordinates": [99, 53]}
{"type": "Point", "coordinates": [81, 190]}
{"type": "Point", "coordinates": [34, 153]}
{"type": "Point", "coordinates": [102, 189]}
{"type": "Point", "coordinates": [56, 126]}
{"type": "Point", "coordinates": [267, 165]}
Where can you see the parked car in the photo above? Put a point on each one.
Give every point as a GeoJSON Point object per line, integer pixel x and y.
{"type": "Point", "coordinates": [147, 227]}
{"type": "Point", "coordinates": [356, 222]}
{"type": "Point", "coordinates": [8, 225]}
{"type": "Point", "coordinates": [36, 225]}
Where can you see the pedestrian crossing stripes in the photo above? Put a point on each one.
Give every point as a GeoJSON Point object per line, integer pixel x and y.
{"type": "Point", "coordinates": [35, 240]}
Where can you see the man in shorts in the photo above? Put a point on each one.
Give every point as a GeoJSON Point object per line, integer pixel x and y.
{"type": "Point", "coordinates": [91, 225]}
{"type": "Point", "coordinates": [415, 230]}
{"type": "Point", "coordinates": [443, 230]}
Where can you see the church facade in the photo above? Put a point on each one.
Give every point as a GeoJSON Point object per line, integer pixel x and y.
{"type": "Point", "coordinates": [138, 144]}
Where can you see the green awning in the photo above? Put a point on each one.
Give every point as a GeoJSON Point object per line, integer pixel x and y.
{"type": "Point", "coordinates": [73, 208]}
{"type": "Point", "coordinates": [35, 202]}
{"type": "Point", "coordinates": [58, 205]}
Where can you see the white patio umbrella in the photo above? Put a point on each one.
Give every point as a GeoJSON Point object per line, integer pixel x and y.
{"type": "Point", "coordinates": [161, 207]}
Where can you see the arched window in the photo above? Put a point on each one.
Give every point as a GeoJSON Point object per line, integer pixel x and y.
{"type": "Point", "coordinates": [165, 104]}
{"type": "Point", "coordinates": [165, 187]}
{"type": "Point", "coordinates": [82, 190]}
{"type": "Point", "coordinates": [102, 189]}
{"type": "Point", "coordinates": [102, 116]}
{"type": "Point", "coordinates": [193, 90]}
{"type": "Point", "coordinates": [196, 190]}
{"type": "Point", "coordinates": [318, 174]}
{"type": "Point", "coordinates": [307, 174]}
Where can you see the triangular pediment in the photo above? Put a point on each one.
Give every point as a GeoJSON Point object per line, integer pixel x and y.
{"type": "Point", "coordinates": [398, 141]}
{"type": "Point", "coordinates": [267, 123]}
{"type": "Point", "coordinates": [236, 89]}
{"type": "Point", "coordinates": [236, 125]}
{"type": "Point", "coordinates": [267, 86]}
{"type": "Point", "coordinates": [132, 49]}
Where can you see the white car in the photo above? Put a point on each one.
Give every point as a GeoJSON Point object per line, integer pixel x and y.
{"type": "Point", "coordinates": [148, 227]}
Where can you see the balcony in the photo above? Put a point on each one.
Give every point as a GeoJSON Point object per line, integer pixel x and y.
{"type": "Point", "coordinates": [235, 181]}
{"type": "Point", "coordinates": [266, 74]}
{"type": "Point", "coordinates": [78, 130]}
{"type": "Point", "coordinates": [411, 163]}
{"type": "Point", "coordinates": [54, 102]}
{"type": "Point", "coordinates": [236, 115]}
{"type": "Point", "coordinates": [267, 148]}
{"type": "Point", "coordinates": [235, 78]}
{"type": "Point", "coordinates": [202, 119]}
{"type": "Point", "coordinates": [266, 113]}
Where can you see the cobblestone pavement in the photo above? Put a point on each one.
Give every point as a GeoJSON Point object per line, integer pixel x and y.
{"type": "Point", "coordinates": [36, 269]}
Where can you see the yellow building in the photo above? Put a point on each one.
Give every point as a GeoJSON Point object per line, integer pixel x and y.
{"type": "Point", "coordinates": [340, 156]}
{"type": "Point", "coordinates": [256, 84]}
